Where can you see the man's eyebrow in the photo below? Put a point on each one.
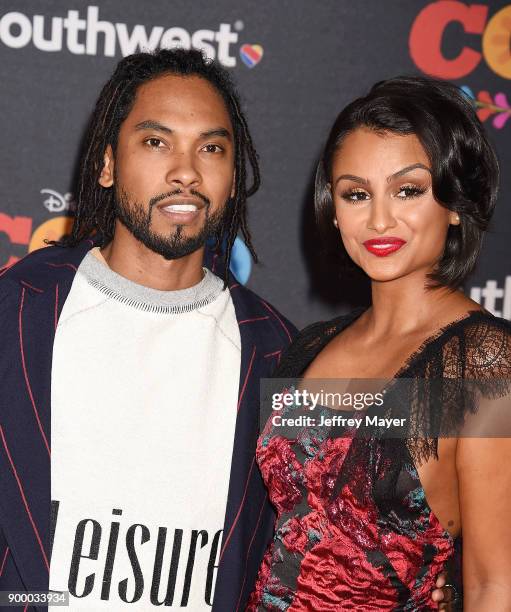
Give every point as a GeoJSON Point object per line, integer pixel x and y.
{"type": "Point", "coordinates": [149, 124]}
{"type": "Point", "coordinates": [407, 169]}
{"type": "Point", "coordinates": [217, 132]}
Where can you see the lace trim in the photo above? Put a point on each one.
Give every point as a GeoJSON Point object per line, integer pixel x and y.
{"type": "Point", "coordinates": [475, 347]}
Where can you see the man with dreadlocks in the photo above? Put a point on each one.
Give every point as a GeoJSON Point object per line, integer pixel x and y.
{"type": "Point", "coordinates": [138, 366]}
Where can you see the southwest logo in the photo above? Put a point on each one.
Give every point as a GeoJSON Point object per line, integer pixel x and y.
{"type": "Point", "coordinates": [251, 55]}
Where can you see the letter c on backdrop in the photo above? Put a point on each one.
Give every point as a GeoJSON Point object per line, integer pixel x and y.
{"type": "Point", "coordinates": [425, 40]}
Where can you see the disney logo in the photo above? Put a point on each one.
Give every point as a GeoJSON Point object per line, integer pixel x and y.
{"type": "Point", "coordinates": [56, 202]}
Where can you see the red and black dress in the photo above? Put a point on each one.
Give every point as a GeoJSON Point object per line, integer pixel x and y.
{"type": "Point", "coordinates": [354, 530]}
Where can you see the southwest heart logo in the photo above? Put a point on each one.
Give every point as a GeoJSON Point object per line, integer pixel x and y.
{"type": "Point", "coordinates": [251, 55]}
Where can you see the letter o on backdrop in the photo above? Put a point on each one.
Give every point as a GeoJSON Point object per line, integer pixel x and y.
{"type": "Point", "coordinates": [15, 41]}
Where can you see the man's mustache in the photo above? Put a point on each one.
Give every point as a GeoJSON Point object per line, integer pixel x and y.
{"type": "Point", "coordinates": [164, 196]}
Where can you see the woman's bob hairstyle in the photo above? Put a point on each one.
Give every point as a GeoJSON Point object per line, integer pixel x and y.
{"type": "Point", "coordinates": [465, 170]}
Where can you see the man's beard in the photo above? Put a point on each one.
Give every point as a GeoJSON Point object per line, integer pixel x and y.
{"type": "Point", "coordinates": [175, 244]}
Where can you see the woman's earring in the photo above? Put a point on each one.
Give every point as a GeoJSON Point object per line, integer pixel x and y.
{"type": "Point", "coordinates": [335, 223]}
{"type": "Point", "coordinates": [457, 219]}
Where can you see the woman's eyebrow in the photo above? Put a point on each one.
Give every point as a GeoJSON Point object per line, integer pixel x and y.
{"type": "Point", "coordinates": [407, 169]}
{"type": "Point", "coordinates": [359, 179]}
{"type": "Point", "coordinates": [352, 177]}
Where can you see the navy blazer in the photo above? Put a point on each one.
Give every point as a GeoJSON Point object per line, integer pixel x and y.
{"type": "Point", "coordinates": [32, 293]}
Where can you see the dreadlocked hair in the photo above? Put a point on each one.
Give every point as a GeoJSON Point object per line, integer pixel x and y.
{"type": "Point", "coordinates": [95, 210]}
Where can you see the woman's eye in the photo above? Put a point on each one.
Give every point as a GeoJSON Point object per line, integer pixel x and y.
{"type": "Point", "coordinates": [212, 148]}
{"type": "Point", "coordinates": [354, 196]}
{"type": "Point", "coordinates": [154, 142]}
{"type": "Point", "coordinates": [410, 191]}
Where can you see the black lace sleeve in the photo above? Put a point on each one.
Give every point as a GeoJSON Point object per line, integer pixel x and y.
{"type": "Point", "coordinates": [459, 385]}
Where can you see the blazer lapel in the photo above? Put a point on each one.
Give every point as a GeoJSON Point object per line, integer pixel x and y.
{"type": "Point", "coordinates": [248, 513]}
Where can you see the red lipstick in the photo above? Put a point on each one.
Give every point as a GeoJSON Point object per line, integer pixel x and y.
{"type": "Point", "coordinates": [381, 247]}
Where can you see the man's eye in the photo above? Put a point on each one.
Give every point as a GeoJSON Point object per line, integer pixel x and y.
{"type": "Point", "coordinates": [212, 148]}
{"type": "Point", "coordinates": [354, 196]}
{"type": "Point", "coordinates": [154, 142]}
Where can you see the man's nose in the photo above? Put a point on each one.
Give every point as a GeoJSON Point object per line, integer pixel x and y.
{"type": "Point", "coordinates": [381, 216]}
{"type": "Point", "coordinates": [183, 171]}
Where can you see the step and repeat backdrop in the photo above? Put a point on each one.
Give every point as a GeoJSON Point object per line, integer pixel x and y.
{"type": "Point", "coordinates": [297, 63]}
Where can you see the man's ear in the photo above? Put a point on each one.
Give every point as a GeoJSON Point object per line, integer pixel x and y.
{"type": "Point", "coordinates": [106, 178]}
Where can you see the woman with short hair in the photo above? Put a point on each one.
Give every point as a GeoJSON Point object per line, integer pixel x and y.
{"type": "Point", "coordinates": [405, 189]}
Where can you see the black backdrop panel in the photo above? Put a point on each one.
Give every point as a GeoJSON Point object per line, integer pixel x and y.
{"type": "Point", "coordinates": [297, 63]}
